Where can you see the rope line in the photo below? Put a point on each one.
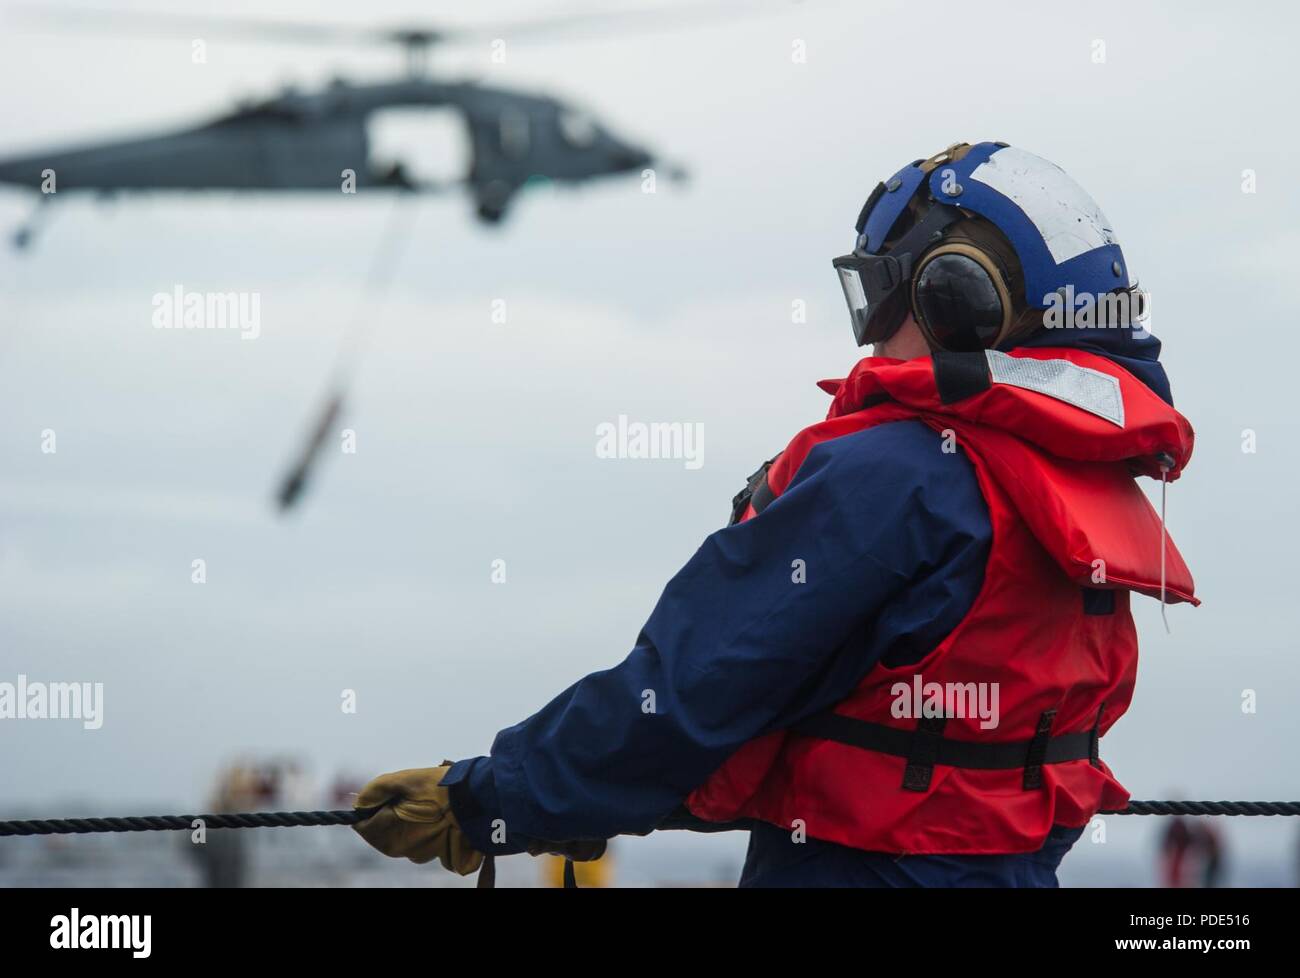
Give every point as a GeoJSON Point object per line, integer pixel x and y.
{"type": "Point", "coordinates": [175, 823]}
{"type": "Point", "coordinates": [1208, 808]}
{"type": "Point", "coordinates": [260, 820]}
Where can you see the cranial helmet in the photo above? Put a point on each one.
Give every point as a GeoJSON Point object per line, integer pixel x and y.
{"type": "Point", "coordinates": [974, 242]}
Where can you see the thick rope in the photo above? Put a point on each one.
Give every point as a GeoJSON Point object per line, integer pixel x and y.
{"type": "Point", "coordinates": [259, 820]}
{"type": "Point", "coordinates": [1208, 808]}
{"type": "Point", "coordinates": [175, 823]}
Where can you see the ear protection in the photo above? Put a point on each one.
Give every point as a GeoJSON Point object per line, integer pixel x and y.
{"type": "Point", "coordinates": [966, 290]}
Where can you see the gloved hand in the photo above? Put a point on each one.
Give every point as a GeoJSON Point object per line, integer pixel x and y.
{"type": "Point", "coordinates": [416, 820]}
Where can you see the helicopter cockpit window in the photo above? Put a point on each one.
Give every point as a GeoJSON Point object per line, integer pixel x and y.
{"type": "Point", "coordinates": [513, 131]}
{"type": "Point", "coordinates": [577, 128]}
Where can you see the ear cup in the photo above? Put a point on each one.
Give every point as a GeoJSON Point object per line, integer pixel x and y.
{"type": "Point", "coordinates": [960, 300]}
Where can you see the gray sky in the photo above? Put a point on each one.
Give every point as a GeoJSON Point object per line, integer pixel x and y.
{"type": "Point", "coordinates": [475, 440]}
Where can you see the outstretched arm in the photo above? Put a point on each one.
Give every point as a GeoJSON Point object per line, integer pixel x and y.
{"type": "Point", "coordinates": [770, 621]}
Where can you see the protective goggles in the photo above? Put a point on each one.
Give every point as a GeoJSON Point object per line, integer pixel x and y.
{"type": "Point", "coordinates": [876, 287]}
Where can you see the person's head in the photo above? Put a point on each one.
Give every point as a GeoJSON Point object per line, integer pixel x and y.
{"type": "Point", "coordinates": [965, 250]}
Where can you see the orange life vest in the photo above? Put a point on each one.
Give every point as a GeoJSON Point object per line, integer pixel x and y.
{"type": "Point", "coordinates": [1056, 437]}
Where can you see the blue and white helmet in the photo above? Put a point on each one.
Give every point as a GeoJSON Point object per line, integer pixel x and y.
{"type": "Point", "coordinates": [1058, 231]}
{"type": "Point", "coordinates": [914, 249]}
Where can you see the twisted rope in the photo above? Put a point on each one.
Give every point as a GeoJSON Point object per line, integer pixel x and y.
{"type": "Point", "coordinates": [174, 823]}
{"type": "Point", "coordinates": [1208, 808]}
{"type": "Point", "coordinates": [261, 820]}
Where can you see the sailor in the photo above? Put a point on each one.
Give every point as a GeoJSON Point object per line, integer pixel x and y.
{"type": "Point", "coordinates": [897, 664]}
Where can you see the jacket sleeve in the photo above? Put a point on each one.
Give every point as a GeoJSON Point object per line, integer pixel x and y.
{"type": "Point", "coordinates": [770, 621]}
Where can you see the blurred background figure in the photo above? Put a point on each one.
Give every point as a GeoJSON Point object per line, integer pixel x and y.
{"type": "Point", "coordinates": [223, 856]}
{"type": "Point", "coordinates": [1175, 845]}
{"type": "Point", "coordinates": [1212, 852]}
{"type": "Point", "coordinates": [343, 790]}
{"type": "Point", "coordinates": [598, 873]}
{"type": "Point", "coordinates": [298, 789]}
{"type": "Point", "coordinates": [1192, 854]}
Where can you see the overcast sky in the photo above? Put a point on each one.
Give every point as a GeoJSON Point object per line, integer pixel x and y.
{"type": "Point", "coordinates": [476, 440]}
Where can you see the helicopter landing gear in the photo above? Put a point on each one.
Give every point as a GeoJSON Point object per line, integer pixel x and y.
{"type": "Point", "coordinates": [492, 199]}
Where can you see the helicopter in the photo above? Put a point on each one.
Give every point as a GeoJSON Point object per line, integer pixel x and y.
{"type": "Point", "coordinates": [321, 141]}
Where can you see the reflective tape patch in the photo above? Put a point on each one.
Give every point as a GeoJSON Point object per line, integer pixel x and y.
{"type": "Point", "coordinates": [1068, 219]}
{"type": "Point", "coordinates": [1085, 388]}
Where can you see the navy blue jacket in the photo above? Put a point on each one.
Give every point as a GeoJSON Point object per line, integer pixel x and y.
{"type": "Point", "coordinates": [894, 534]}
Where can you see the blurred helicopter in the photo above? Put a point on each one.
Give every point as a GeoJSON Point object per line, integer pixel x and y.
{"type": "Point", "coordinates": [320, 141]}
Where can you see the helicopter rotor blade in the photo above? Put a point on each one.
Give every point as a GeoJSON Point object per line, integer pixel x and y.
{"type": "Point", "coordinates": [138, 23]}
{"type": "Point", "coordinates": [578, 23]}
{"type": "Point", "coordinates": [589, 22]}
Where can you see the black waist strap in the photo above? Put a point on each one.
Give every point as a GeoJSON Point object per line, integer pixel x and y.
{"type": "Point", "coordinates": [925, 746]}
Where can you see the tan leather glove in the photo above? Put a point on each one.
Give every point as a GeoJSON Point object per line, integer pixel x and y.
{"type": "Point", "coordinates": [416, 820]}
